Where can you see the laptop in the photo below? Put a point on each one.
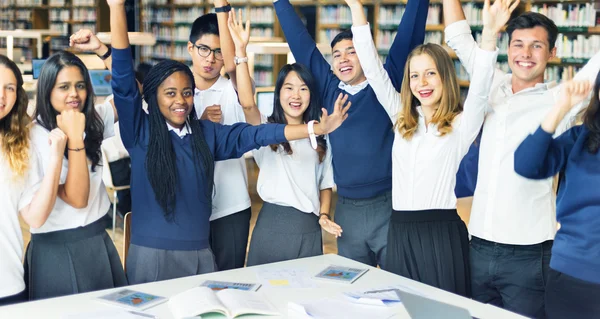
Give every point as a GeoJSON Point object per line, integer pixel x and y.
{"type": "Point", "coordinates": [419, 307]}
{"type": "Point", "coordinates": [101, 82]}
{"type": "Point", "coordinates": [36, 67]}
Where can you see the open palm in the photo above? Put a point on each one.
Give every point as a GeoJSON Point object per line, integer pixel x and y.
{"type": "Point", "coordinates": [239, 34]}
{"type": "Point", "coordinates": [495, 16]}
{"type": "Point", "coordinates": [330, 123]}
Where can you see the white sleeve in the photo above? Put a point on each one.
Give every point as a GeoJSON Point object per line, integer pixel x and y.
{"type": "Point", "coordinates": [376, 75]}
{"type": "Point", "coordinates": [477, 100]}
{"type": "Point", "coordinates": [33, 179]}
{"type": "Point", "coordinates": [326, 178]}
{"type": "Point", "coordinates": [39, 141]}
{"type": "Point", "coordinates": [105, 110]}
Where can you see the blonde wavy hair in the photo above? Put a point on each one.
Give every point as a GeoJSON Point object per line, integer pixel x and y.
{"type": "Point", "coordinates": [15, 126]}
{"type": "Point", "coordinates": [450, 105]}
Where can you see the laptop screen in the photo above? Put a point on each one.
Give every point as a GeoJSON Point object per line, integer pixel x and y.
{"type": "Point", "coordinates": [264, 101]}
{"type": "Point", "coordinates": [36, 67]}
{"type": "Point", "coordinates": [101, 82]}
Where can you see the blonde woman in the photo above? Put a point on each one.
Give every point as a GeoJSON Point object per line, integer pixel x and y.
{"type": "Point", "coordinates": [427, 240]}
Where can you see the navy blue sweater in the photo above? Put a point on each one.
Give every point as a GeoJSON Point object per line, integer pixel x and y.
{"type": "Point", "coordinates": [576, 250]}
{"type": "Point", "coordinates": [362, 146]}
{"type": "Point", "coordinates": [190, 228]}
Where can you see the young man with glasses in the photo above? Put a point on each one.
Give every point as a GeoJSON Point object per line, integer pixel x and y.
{"type": "Point", "coordinates": [216, 99]}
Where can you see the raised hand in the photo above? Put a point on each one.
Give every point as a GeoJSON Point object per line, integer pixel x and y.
{"type": "Point", "coordinates": [72, 123]}
{"type": "Point", "coordinates": [353, 2]}
{"type": "Point", "coordinates": [330, 123]}
{"type": "Point", "coordinates": [213, 113]}
{"type": "Point", "coordinates": [330, 226]}
{"type": "Point", "coordinates": [495, 16]}
{"type": "Point", "coordinates": [239, 33]}
{"type": "Point", "coordinates": [57, 140]}
{"type": "Point", "coordinates": [86, 41]}
{"type": "Point", "coordinates": [115, 2]}
{"type": "Point", "coordinates": [572, 93]}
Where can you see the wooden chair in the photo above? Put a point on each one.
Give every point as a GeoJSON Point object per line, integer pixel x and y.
{"type": "Point", "coordinates": [126, 237]}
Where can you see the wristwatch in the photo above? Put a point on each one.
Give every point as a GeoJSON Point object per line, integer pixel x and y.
{"type": "Point", "coordinates": [226, 8]}
{"type": "Point", "coordinates": [239, 60]}
{"type": "Point", "coordinates": [106, 55]}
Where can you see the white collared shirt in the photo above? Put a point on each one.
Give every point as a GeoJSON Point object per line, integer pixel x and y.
{"type": "Point", "coordinates": [15, 194]}
{"type": "Point", "coordinates": [231, 178]}
{"type": "Point", "coordinates": [353, 89]}
{"type": "Point", "coordinates": [65, 216]}
{"type": "Point", "coordinates": [185, 130]}
{"type": "Point", "coordinates": [424, 167]}
{"type": "Point", "coordinates": [508, 208]}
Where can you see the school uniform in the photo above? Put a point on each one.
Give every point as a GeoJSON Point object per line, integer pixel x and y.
{"type": "Point", "coordinates": [164, 248]}
{"type": "Point", "coordinates": [230, 217]}
{"type": "Point", "coordinates": [365, 140]}
{"type": "Point", "coordinates": [72, 253]}
{"type": "Point", "coordinates": [427, 240]}
{"type": "Point", "coordinates": [513, 221]}
{"type": "Point", "coordinates": [289, 185]}
{"type": "Point", "coordinates": [573, 283]}
{"type": "Point", "coordinates": [15, 194]}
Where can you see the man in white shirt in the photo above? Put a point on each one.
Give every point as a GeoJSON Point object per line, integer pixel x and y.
{"type": "Point", "coordinates": [512, 219]}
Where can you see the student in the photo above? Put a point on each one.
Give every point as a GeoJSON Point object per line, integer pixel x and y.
{"type": "Point", "coordinates": [427, 240]}
{"type": "Point", "coordinates": [22, 190]}
{"type": "Point", "coordinates": [215, 97]}
{"type": "Point", "coordinates": [172, 155]}
{"type": "Point", "coordinates": [58, 260]}
{"type": "Point", "coordinates": [512, 221]}
{"type": "Point", "coordinates": [364, 203]}
{"type": "Point", "coordinates": [295, 180]}
{"type": "Point", "coordinates": [573, 281]}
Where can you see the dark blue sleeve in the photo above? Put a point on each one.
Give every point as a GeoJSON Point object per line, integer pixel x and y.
{"type": "Point", "coordinates": [539, 156]}
{"type": "Point", "coordinates": [303, 47]}
{"type": "Point", "coordinates": [466, 178]}
{"type": "Point", "coordinates": [232, 141]}
{"type": "Point", "coordinates": [411, 33]}
{"type": "Point", "coordinates": [127, 99]}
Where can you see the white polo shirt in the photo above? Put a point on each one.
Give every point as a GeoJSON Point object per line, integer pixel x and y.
{"type": "Point", "coordinates": [65, 216]}
{"type": "Point", "coordinates": [230, 193]}
{"type": "Point", "coordinates": [14, 196]}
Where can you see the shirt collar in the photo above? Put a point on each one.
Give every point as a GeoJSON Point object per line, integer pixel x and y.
{"type": "Point", "coordinates": [353, 89]}
{"type": "Point", "coordinates": [181, 133]}
{"type": "Point", "coordinates": [507, 85]}
{"type": "Point", "coordinates": [218, 86]}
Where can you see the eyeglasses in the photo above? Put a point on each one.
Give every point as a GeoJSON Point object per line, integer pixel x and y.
{"type": "Point", "coordinates": [205, 51]}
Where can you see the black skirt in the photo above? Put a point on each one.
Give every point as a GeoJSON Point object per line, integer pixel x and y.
{"type": "Point", "coordinates": [432, 247]}
{"type": "Point", "coordinates": [72, 261]}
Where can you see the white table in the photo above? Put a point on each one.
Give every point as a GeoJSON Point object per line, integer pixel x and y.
{"type": "Point", "coordinates": [279, 297]}
{"type": "Point", "coordinates": [26, 34]}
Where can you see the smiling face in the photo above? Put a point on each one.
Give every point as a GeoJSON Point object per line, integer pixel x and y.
{"type": "Point", "coordinates": [294, 97]}
{"type": "Point", "coordinates": [207, 68]}
{"type": "Point", "coordinates": [69, 91]}
{"type": "Point", "coordinates": [345, 63]}
{"type": "Point", "coordinates": [8, 91]}
{"type": "Point", "coordinates": [175, 97]}
{"type": "Point", "coordinates": [528, 54]}
{"type": "Point", "coordinates": [425, 81]}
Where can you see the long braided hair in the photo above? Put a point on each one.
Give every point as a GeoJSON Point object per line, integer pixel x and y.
{"type": "Point", "coordinates": [313, 111]}
{"type": "Point", "coordinates": [160, 159]}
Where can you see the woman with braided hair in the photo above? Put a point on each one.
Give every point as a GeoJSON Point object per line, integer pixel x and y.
{"type": "Point", "coordinates": [172, 161]}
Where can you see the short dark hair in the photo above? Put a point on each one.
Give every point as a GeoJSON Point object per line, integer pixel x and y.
{"type": "Point", "coordinates": [206, 24]}
{"type": "Point", "coordinates": [344, 35]}
{"type": "Point", "coordinates": [530, 20]}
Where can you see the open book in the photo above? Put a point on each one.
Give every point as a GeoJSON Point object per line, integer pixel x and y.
{"type": "Point", "coordinates": [229, 302]}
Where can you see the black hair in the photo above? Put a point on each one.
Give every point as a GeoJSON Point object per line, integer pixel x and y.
{"type": "Point", "coordinates": [311, 113]}
{"type": "Point", "coordinates": [530, 20]}
{"type": "Point", "coordinates": [160, 159]}
{"type": "Point", "coordinates": [141, 71]}
{"type": "Point", "coordinates": [46, 114]}
{"type": "Point", "coordinates": [591, 119]}
{"type": "Point", "coordinates": [344, 35]}
{"type": "Point", "coordinates": [206, 24]}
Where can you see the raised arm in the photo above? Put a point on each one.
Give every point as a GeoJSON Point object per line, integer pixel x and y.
{"type": "Point", "coordinates": [76, 189]}
{"type": "Point", "coordinates": [39, 208]}
{"type": "Point", "coordinates": [126, 92]}
{"type": "Point", "coordinates": [241, 37]}
{"type": "Point", "coordinates": [227, 45]}
{"type": "Point", "coordinates": [539, 156]}
{"type": "Point", "coordinates": [458, 34]}
{"type": "Point", "coordinates": [411, 33]}
{"type": "Point", "coordinates": [303, 47]}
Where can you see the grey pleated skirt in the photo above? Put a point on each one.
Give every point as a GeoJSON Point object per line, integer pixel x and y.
{"type": "Point", "coordinates": [284, 233]}
{"type": "Point", "coordinates": [432, 247]}
{"type": "Point", "coordinates": [72, 261]}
